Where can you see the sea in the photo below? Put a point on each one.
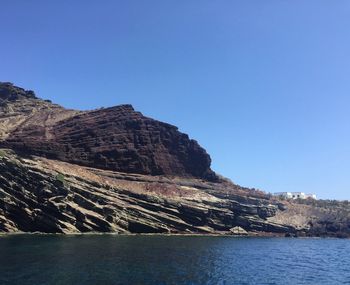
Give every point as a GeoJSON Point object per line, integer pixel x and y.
{"type": "Point", "coordinates": [143, 259]}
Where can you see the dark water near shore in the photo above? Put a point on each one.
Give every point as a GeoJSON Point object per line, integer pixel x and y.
{"type": "Point", "coordinates": [108, 259]}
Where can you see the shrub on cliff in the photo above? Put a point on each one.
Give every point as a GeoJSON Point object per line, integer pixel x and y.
{"type": "Point", "coordinates": [60, 178]}
{"type": "Point", "coordinates": [2, 153]}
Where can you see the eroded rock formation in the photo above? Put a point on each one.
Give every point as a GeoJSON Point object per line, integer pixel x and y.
{"type": "Point", "coordinates": [117, 138]}
{"type": "Point", "coordinates": [115, 170]}
{"type": "Point", "coordinates": [42, 195]}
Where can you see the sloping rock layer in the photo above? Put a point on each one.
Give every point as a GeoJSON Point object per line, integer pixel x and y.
{"type": "Point", "coordinates": [41, 195]}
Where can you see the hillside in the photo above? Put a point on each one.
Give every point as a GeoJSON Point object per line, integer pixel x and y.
{"type": "Point", "coordinates": [115, 170]}
{"type": "Point", "coordinates": [117, 138]}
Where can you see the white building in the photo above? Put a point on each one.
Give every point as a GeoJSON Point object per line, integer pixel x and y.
{"type": "Point", "coordinates": [295, 195]}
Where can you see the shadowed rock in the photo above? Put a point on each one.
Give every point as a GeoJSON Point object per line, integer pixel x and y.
{"type": "Point", "coordinates": [11, 93]}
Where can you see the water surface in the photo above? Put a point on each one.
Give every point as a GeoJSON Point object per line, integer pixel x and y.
{"type": "Point", "coordinates": [108, 259]}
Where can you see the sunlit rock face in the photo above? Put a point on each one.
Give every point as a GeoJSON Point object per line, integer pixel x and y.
{"type": "Point", "coordinates": [117, 138]}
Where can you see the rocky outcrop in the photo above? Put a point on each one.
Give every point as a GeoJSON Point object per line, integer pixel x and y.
{"type": "Point", "coordinates": [21, 110]}
{"type": "Point", "coordinates": [321, 218]}
{"type": "Point", "coordinates": [41, 195]}
{"type": "Point", "coordinates": [9, 92]}
{"type": "Point", "coordinates": [117, 138]}
{"type": "Point", "coordinates": [115, 170]}
{"type": "Point", "coordinates": [238, 231]}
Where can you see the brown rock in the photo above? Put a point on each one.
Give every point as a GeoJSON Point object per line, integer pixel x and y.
{"type": "Point", "coordinates": [117, 138]}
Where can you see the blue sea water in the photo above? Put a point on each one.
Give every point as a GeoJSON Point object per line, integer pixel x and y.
{"type": "Point", "coordinates": [109, 259]}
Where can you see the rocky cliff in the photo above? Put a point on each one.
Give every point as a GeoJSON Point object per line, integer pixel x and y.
{"type": "Point", "coordinates": [115, 170]}
{"type": "Point", "coordinates": [50, 196]}
{"type": "Point", "coordinates": [117, 138]}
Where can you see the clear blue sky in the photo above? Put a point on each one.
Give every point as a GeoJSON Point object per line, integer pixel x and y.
{"type": "Point", "coordinates": [264, 86]}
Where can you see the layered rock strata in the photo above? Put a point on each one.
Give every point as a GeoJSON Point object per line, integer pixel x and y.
{"type": "Point", "coordinates": [41, 195]}
{"type": "Point", "coordinates": [117, 138]}
{"type": "Point", "coordinates": [115, 170]}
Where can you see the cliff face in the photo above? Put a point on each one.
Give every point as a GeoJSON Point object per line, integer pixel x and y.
{"type": "Point", "coordinates": [50, 196]}
{"type": "Point", "coordinates": [115, 170]}
{"type": "Point", "coordinates": [117, 138]}
{"type": "Point", "coordinates": [38, 194]}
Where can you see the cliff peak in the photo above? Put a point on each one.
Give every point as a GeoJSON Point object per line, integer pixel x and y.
{"type": "Point", "coordinates": [10, 92]}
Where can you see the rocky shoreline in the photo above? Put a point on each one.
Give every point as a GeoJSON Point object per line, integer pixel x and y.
{"type": "Point", "coordinates": [51, 196]}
